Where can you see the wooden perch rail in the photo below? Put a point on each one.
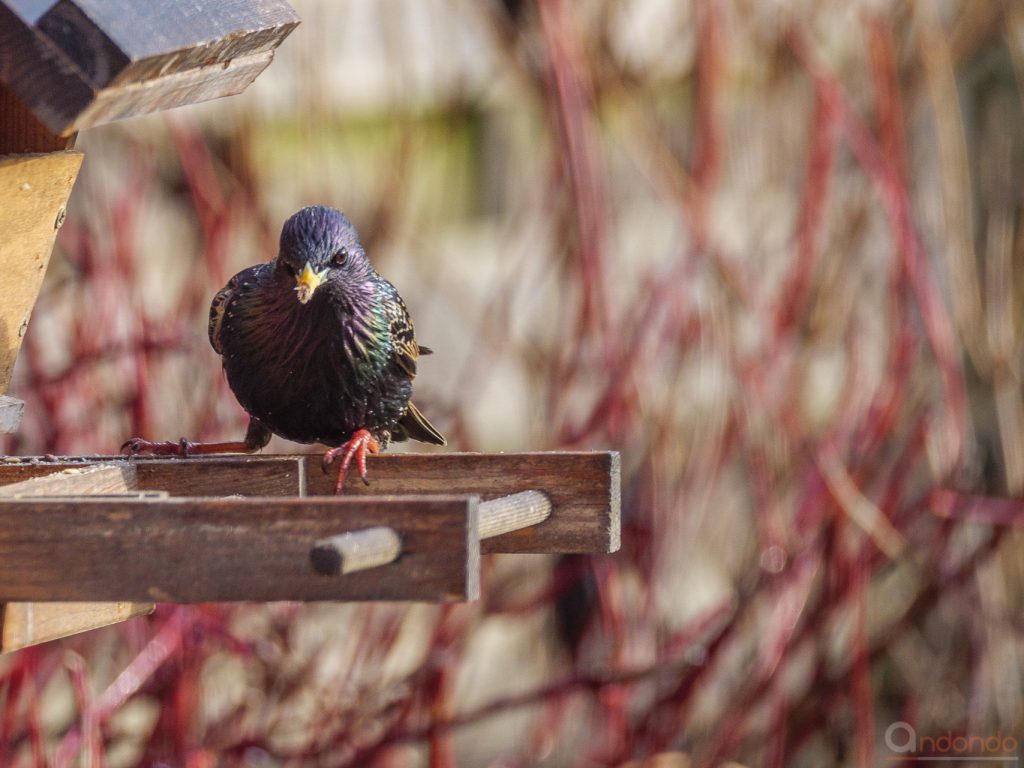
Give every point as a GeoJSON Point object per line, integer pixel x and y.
{"type": "Point", "coordinates": [219, 550]}
{"type": "Point", "coordinates": [583, 486]}
{"type": "Point", "coordinates": [249, 527]}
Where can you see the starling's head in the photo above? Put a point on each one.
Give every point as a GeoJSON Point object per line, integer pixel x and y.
{"type": "Point", "coordinates": [318, 245]}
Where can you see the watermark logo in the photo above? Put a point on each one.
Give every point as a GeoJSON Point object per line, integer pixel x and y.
{"type": "Point", "coordinates": [902, 739]}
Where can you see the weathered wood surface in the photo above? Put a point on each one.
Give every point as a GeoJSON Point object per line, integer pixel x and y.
{"type": "Point", "coordinates": [205, 476]}
{"type": "Point", "coordinates": [11, 411]}
{"type": "Point", "coordinates": [208, 550]}
{"type": "Point", "coordinates": [34, 191]}
{"type": "Point", "coordinates": [24, 624]}
{"type": "Point", "coordinates": [583, 488]}
{"type": "Point", "coordinates": [77, 481]}
{"type": "Point", "coordinates": [77, 63]}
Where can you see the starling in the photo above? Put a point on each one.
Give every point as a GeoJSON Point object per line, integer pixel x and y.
{"type": "Point", "coordinates": [317, 347]}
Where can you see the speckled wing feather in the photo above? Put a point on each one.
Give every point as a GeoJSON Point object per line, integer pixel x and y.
{"type": "Point", "coordinates": [403, 336]}
{"type": "Point", "coordinates": [406, 351]}
{"type": "Point", "coordinates": [220, 303]}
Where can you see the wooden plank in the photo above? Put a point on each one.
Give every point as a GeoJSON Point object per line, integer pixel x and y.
{"type": "Point", "coordinates": [25, 624]}
{"type": "Point", "coordinates": [204, 550]}
{"type": "Point", "coordinates": [201, 476]}
{"type": "Point", "coordinates": [34, 191]}
{"type": "Point", "coordinates": [11, 410]}
{"type": "Point", "coordinates": [189, 87]}
{"type": "Point", "coordinates": [148, 41]}
{"type": "Point", "coordinates": [93, 479]}
{"type": "Point", "coordinates": [222, 476]}
{"type": "Point", "coordinates": [583, 488]}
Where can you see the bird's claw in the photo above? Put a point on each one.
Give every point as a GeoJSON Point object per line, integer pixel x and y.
{"type": "Point", "coordinates": [137, 446]}
{"type": "Point", "coordinates": [361, 443]}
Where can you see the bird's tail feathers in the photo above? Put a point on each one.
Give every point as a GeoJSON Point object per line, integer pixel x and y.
{"type": "Point", "coordinates": [416, 426]}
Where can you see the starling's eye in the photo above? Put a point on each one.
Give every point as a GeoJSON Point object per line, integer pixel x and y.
{"type": "Point", "coordinates": [288, 268]}
{"type": "Point", "coordinates": [340, 256]}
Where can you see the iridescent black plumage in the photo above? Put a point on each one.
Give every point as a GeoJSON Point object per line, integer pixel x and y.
{"type": "Point", "coordinates": [321, 369]}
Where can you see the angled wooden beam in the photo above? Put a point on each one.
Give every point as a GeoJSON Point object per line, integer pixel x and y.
{"type": "Point", "coordinates": [25, 624]}
{"type": "Point", "coordinates": [210, 550]}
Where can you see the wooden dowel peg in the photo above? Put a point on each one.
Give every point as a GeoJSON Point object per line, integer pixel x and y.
{"type": "Point", "coordinates": [512, 512]}
{"type": "Point", "coordinates": [355, 551]}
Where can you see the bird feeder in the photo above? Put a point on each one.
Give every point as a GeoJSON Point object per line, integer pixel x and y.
{"type": "Point", "coordinates": [88, 541]}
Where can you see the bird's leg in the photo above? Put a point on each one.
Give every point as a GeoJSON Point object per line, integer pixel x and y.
{"type": "Point", "coordinates": [256, 437]}
{"type": "Point", "coordinates": [361, 443]}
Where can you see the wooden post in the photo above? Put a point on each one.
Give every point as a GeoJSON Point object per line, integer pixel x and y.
{"type": "Point", "coordinates": [24, 624]}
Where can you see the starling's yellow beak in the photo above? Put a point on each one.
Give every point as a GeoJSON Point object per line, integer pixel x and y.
{"type": "Point", "coordinates": [307, 282]}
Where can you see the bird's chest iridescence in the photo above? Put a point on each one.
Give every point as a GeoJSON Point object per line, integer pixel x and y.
{"type": "Point", "coordinates": [310, 373]}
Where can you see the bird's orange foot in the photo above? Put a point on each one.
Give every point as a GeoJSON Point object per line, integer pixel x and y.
{"type": "Point", "coordinates": [361, 443]}
{"type": "Point", "coordinates": [137, 445]}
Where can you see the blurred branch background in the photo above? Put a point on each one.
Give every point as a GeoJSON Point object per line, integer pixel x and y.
{"type": "Point", "coordinates": [769, 251]}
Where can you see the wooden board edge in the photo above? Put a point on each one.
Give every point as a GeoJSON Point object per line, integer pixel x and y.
{"type": "Point", "coordinates": [26, 624]}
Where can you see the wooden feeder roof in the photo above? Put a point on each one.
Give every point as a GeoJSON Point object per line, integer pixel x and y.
{"type": "Point", "coordinates": [79, 63]}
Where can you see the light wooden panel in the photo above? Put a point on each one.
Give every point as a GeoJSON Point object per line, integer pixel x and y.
{"type": "Point", "coordinates": [25, 624]}
{"type": "Point", "coordinates": [207, 550]}
{"type": "Point", "coordinates": [34, 191]}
